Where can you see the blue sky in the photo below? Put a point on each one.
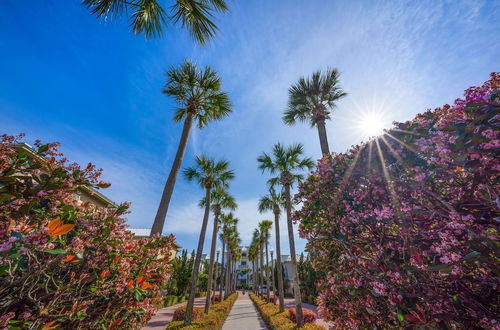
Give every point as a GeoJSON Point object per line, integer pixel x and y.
{"type": "Point", "coordinates": [96, 88]}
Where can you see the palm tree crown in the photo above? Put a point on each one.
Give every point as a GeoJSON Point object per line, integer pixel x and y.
{"type": "Point", "coordinates": [312, 99]}
{"type": "Point", "coordinates": [197, 92]}
{"type": "Point", "coordinates": [220, 199]}
{"type": "Point", "coordinates": [285, 160]}
{"type": "Point", "coordinates": [148, 16]}
{"type": "Point", "coordinates": [209, 173]}
{"type": "Point", "coordinates": [272, 200]}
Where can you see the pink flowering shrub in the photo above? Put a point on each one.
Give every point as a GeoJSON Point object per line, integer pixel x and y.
{"type": "Point", "coordinates": [405, 226]}
{"type": "Point", "coordinates": [67, 263]}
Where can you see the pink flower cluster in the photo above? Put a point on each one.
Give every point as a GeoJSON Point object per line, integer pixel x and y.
{"type": "Point", "coordinates": [404, 228]}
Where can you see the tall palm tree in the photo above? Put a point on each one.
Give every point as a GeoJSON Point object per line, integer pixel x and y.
{"type": "Point", "coordinates": [264, 227]}
{"type": "Point", "coordinates": [148, 16]}
{"type": "Point", "coordinates": [228, 224]}
{"type": "Point", "coordinates": [312, 99]}
{"type": "Point", "coordinates": [220, 199]}
{"type": "Point", "coordinates": [209, 174]}
{"type": "Point", "coordinates": [285, 162]}
{"type": "Point", "coordinates": [201, 100]}
{"type": "Point", "coordinates": [274, 201]}
{"type": "Point", "coordinates": [253, 253]}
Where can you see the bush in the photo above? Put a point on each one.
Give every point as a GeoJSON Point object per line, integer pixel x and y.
{"type": "Point", "coordinates": [211, 321]}
{"type": "Point", "coordinates": [405, 226]}
{"type": "Point", "coordinates": [65, 262]}
{"type": "Point", "coordinates": [201, 294]}
{"type": "Point", "coordinates": [170, 300]}
{"type": "Point", "coordinates": [180, 313]}
{"type": "Point", "coordinates": [308, 315]}
{"type": "Point", "coordinates": [279, 321]}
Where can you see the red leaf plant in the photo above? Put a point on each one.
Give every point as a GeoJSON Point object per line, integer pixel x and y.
{"type": "Point", "coordinates": [66, 263]}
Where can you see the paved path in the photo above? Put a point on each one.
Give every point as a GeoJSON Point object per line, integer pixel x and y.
{"type": "Point", "coordinates": [164, 316]}
{"type": "Point", "coordinates": [244, 316]}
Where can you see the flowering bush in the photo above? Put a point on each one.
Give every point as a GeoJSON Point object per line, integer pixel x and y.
{"type": "Point", "coordinates": [405, 226]}
{"type": "Point", "coordinates": [211, 321]}
{"type": "Point", "coordinates": [309, 315]}
{"type": "Point", "coordinates": [283, 321]}
{"type": "Point", "coordinates": [67, 263]}
{"type": "Point", "coordinates": [180, 313]}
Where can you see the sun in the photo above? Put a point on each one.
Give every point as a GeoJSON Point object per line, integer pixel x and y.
{"type": "Point", "coordinates": [371, 124]}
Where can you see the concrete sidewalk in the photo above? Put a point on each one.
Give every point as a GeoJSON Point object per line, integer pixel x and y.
{"type": "Point", "coordinates": [244, 316]}
{"type": "Point", "coordinates": [164, 316]}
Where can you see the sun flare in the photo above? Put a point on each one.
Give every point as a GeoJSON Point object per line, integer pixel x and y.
{"type": "Point", "coordinates": [371, 124]}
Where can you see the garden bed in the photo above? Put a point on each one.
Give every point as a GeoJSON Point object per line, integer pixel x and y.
{"type": "Point", "coordinates": [211, 321]}
{"type": "Point", "coordinates": [281, 321]}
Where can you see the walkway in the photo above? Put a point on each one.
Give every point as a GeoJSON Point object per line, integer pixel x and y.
{"type": "Point", "coordinates": [164, 316]}
{"type": "Point", "coordinates": [244, 316]}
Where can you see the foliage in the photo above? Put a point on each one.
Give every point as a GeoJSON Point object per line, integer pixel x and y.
{"type": "Point", "coordinates": [148, 16]}
{"type": "Point", "coordinates": [405, 226]}
{"type": "Point", "coordinates": [279, 321]}
{"type": "Point", "coordinates": [182, 268]}
{"type": "Point", "coordinates": [309, 278]}
{"type": "Point", "coordinates": [65, 262]}
{"type": "Point", "coordinates": [309, 315]}
{"type": "Point", "coordinates": [213, 320]}
{"type": "Point", "coordinates": [180, 313]}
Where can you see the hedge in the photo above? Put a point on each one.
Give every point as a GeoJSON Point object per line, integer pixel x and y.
{"type": "Point", "coordinates": [279, 321]}
{"type": "Point", "coordinates": [211, 321]}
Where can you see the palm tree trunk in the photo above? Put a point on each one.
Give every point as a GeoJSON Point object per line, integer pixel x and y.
{"type": "Point", "coordinates": [267, 270]}
{"type": "Point", "coordinates": [161, 213]}
{"type": "Point", "coordinates": [199, 251]}
{"type": "Point", "coordinates": [296, 283]}
{"type": "Point", "coordinates": [211, 267]}
{"type": "Point", "coordinates": [278, 261]}
{"type": "Point", "coordinates": [323, 139]}
{"type": "Point", "coordinates": [222, 270]}
{"type": "Point", "coordinates": [261, 267]}
{"type": "Point", "coordinates": [226, 285]}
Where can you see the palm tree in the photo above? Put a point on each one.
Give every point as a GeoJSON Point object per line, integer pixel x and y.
{"type": "Point", "coordinates": [209, 174]}
{"type": "Point", "coordinates": [253, 253]}
{"type": "Point", "coordinates": [313, 99]}
{"type": "Point", "coordinates": [200, 99]}
{"type": "Point", "coordinates": [274, 201]}
{"type": "Point", "coordinates": [228, 222]}
{"type": "Point", "coordinates": [220, 199]}
{"type": "Point", "coordinates": [264, 227]}
{"type": "Point", "coordinates": [285, 162]}
{"type": "Point", "coordinates": [148, 16]}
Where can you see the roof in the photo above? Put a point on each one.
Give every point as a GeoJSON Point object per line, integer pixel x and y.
{"type": "Point", "coordinates": [140, 231]}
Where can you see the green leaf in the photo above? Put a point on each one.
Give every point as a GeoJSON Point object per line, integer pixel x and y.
{"type": "Point", "coordinates": [443, 268]}
{"type": "Point", "coordinates": [455, 298]}
{"type": "Point", "coordinates": [474, 255]}
{"type": "Point", "coordinates": [43, 148]}
{"type": "Point", "coordinates": [55, 251]}
{"type": "Point", "coordinates": [401, 317]}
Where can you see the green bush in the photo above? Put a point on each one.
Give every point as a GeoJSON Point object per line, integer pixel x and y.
{"type": "Point", "coordinates": [211, 321]}
{"type": "Point", "coordinates": [274, 319]}
{"type": "Point", "coordinates": [201, 294]}
{"type": "Point", "coordinates": [170, 300]}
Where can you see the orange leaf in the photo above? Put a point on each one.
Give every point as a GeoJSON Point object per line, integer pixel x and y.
{"type": "Point", "coordinates": [50, 325]}
{"type": "Point", "coordinates": [54, 223]}
{"type": "Point", "coordinates": [115, 323]}
{"type": "Point", "coordinates": [141, 280]}
{"type": "Point", "coordinates": [70, 258]}
{"type": "Point", "coordinates": [130, 284]}
{"type": "Point", "coordinates": [59, 228]}
{"type": "Point", "coordinates": [105, 273]}
{"type": "Point", "coordinates": [146, 286]}
{"type": "Point", "coordinates": [104, 184]}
